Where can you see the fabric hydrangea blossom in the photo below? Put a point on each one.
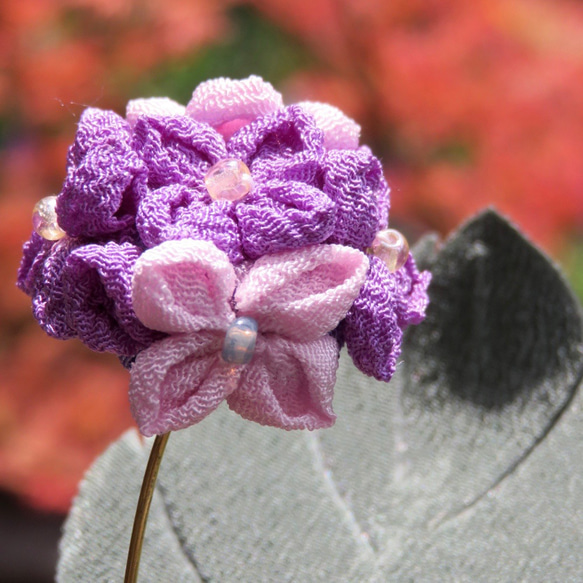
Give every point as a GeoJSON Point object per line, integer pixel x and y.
{"type": "Point", "coordinates": [135, 184]}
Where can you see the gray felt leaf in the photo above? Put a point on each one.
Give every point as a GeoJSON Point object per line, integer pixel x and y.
{"type": "Point", "coordinates": [464, 468]}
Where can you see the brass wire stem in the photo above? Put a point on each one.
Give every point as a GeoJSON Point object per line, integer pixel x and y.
{"type": "Point", "coordinates": [143, 508]}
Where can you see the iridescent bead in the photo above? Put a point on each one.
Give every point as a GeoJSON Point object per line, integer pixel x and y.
{"type": "Point", "coordinates": [44, 219]}
{"type": "Point", "coordinates": [229, 179]}
{"type": "Point", "coordinates": [239, 344]}
{"type": "Point", "coordinates": [390, 246]}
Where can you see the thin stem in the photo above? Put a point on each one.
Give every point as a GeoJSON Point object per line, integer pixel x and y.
{"type": "Point", "coordinates": [144, 501]}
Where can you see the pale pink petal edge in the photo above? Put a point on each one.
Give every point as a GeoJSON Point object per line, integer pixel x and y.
{"type": "Point", "coordinates": [228, 104]}
{"type": "Point", "coordinates": [302, 294]}
{"type": "Point", "coordinates": [153, 106]}
{"type": "Point", "coordinates": [340, 131]}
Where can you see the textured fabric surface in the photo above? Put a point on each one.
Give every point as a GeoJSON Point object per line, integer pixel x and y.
{"type": "Point", "coordinates": [84, 291]}
{"type": "Point", "coordinates": [340, 132]}
{"type": "Point", "coordinates": [386, 304]}
{"type": "Point", "coordinates": [228, 104]}
{"type": "Point", "coordinates": [134, 184]}
{"type": "Point", "coordinates": [153, 106]}
{"type": "Point", "coordinates": [185, 288]}
{"type": "Point", "coordinates": [104, 174]}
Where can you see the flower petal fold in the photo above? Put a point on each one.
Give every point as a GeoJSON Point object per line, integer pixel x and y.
{"type": "Point", "coordinates": [277, 139]}
{"type": "Point", "coordinates": [340, 131]}
{"type": "Point", "coordinates": [229, 104]}
{"type": "Point", "coordinates": [288, 384]}
{"type": "Point", "coordinates": [302, 294]}
{"type": "Point", "coordinates": [386, 304]}
{"type": "Point", "coordinates": [178, 212]}
{"type": "Point", "coordinates": [101, 275]}
{"type": "Point", "coordinates": [153, 106]}
{"type": "Point", "coordinates": [104, 177]}
{"type": "Point", "coordinates": [40, 276]}
{"type": "Point", "coordinates": [177, 150]}
{"type": "Point", "coordinates": [281, 215]}
{"type": "Point", "coordinates": [184, 286]}
{"type": "Point", "coordinates": [178, 381]}
{"type": "Point", "coordinates": [354, 180]}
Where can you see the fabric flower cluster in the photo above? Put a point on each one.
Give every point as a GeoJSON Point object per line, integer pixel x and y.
{"type": "Point", "coordinates": [154, 266]}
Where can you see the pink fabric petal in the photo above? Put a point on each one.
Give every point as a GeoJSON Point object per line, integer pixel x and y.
{"type": "Point", "coordinates": [229, 104]}
{"type": "Point", "coordinates": [340, 131]}
{"type": "Point", "coordinates": [302, 294]}
{"type": "Point", "coordinates": [178, 381]}
{"type": "Point", "coordinates": [289, 384]}
{"type": "Point", "coordinates": [152, 106]}
{"type": "Point", "coordinates": [183, 286]}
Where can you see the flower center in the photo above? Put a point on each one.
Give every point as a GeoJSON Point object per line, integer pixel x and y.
{"type": "Point", "coordinates": [239, 343]}
{"type": "Point", "coordinates": [44, 219]}
{"type": "Point", "coordinates": [391, 247]}
{"type": "Point", "coordinates": [229, 179]}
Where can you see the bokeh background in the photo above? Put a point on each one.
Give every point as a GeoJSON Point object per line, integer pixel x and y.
{"type": "Point", "coordinates": [468, 104]}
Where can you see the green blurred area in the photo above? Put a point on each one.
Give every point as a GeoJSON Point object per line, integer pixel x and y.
{"type": "Point", "coordinates": [252, 46]}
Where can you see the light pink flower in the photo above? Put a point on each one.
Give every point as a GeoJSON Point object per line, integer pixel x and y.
{"type": "Point", "coordinates": [189, 289]}
{"type": "Point", "coordinates": [229, 104]}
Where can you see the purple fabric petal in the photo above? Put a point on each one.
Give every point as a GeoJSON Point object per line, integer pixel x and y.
{"type": "Point", "coordinates": [84, 291]}
{"type": "Point", "coordinates": [354, 181]}
{"type": "Point", "coordinates": [177, 150]}
{"type": "Point", "coordinates": [178, 212]}
{"type": "Point", "coordinates": [288, 384]}
{"type": "Point", "coordinates": [284, 215]}
{"type": "Point", "coordinates": [387, 303]}
{"type": "Point", "coordinates": [34, 253]}
{"type": "Point", "coordinates": [184, 286]}
{"type": "Point", "coordinates": [302, 294]}
{"type": "Point", "coordinates": [40, 277]}
{"type": "Point", "coordinates": [178, 381]}
{"type": "Point", "coordinates": [100, 192]}
{"type": "Point", "coordinates": [303, 167]}
{"type": "Point", "coordinates": [411, 299]}
{"type": "Point", "coordinates": [96, 283]}
{"type": "Point", "coordinates": [275, 138]}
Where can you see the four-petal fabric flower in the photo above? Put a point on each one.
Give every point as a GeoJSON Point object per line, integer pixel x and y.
{"type": "Point", "coordinates": [137, 186]}
{"type": "Point", "coordinates": [190, 290]}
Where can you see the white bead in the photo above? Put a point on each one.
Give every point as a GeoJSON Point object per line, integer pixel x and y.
{"type": "Point", "coordinates": [239, 344]}
{"type": "Point", "coordinates": [229, 179]}
{"type": "Point", "coordinates": [44, 219]}
{"type": "Point", "coordinates": [391, 247]}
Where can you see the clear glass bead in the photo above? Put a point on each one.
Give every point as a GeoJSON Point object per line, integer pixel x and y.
{"type": "Point", "coordinates": [44, 219]}
{"type": "Point", "coordinates": [390, 246]}
{"type": "Point", "coordinates": [239, 344]}
{"type": "Point", "coordinates": [229, 179]}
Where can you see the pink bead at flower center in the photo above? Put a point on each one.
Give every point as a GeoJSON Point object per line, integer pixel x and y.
{"type": "Point", "coordinates": [392, 247]}
{"type": "Point", "coordinates": [229, 179]}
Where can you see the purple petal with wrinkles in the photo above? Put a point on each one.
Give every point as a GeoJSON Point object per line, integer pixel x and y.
{"type": "Point", "coordinates": [104, 175]}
